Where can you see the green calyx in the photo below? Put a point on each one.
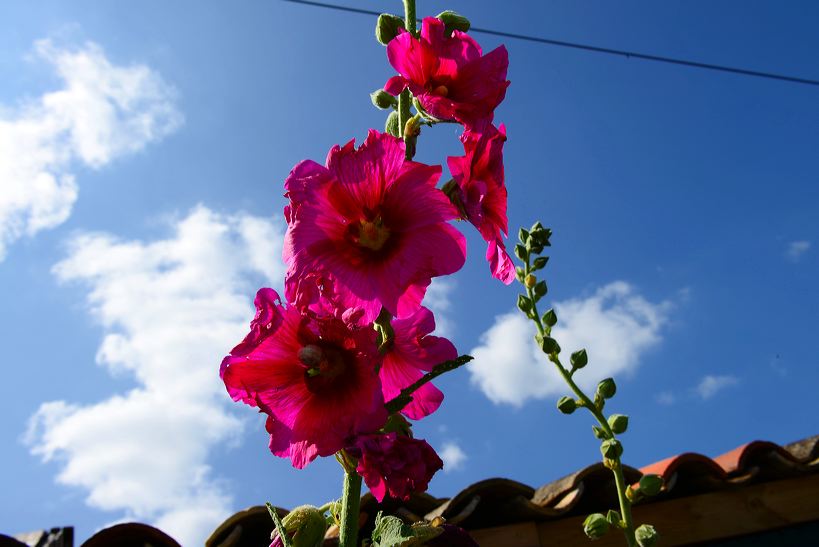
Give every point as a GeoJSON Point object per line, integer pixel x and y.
{"type": "Point", "coordinates": [387, 27]}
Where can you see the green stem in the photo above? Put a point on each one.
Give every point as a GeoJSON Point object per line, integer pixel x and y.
{"type": "Point", "coordinates": [617, 467]}
{"type": "Point", "coordinates": [409, 16]}
{"type": "Point", "coordinates": [350, 508]}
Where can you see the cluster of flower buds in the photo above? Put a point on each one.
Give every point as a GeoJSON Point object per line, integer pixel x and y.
{"type": "Point", "coordinates": [344, 359]}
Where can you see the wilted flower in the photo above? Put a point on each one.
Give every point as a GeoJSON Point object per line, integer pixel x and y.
{"type": "Point", "coordinates": [481, 193]}
{"type": "Point", "coordinates": [394, 463]}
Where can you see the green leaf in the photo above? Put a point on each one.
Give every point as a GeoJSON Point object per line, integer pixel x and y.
{"type": "Point", "coordinates": [521, 252]}
{"type": "Point", "coordinates": [391, 531]}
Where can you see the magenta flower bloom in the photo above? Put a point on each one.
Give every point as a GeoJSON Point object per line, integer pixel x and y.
{"type": "Point", "coordinates": [413, 352]}
{"type": "Point", "coordinates": [395, 464]}
{"type": "Point", "coordinates": [373, 224]}
{"type": "Point", "coordinates": [449, 75]}
{"type": "Point", "coordinates": [315, 378]}
{"type": "Point", "coordinates": [482, 193]}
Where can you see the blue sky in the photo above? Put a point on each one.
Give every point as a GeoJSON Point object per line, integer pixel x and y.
{"type": "Point", "coordinates": [142, 154]}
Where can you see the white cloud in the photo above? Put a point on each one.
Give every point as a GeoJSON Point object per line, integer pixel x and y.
{"type": "Point", "coordinates": [665, 398]}
{"type": "Point", "coordinates": [453, 456]}
{"type": "Point", "coordinates": [711, 385]}
{"type": "Point", "coordinates": [615, 325]}
{"type": "Point", "coordinates": [796, 249]}
{"type": "Point", "coordinates": [439, 302]}
{"type": "Point", "coordinates": [170, 309]}
{"type": "Point", "coordinates": [102, 111]}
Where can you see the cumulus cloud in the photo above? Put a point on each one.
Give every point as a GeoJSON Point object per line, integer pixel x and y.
{"type": "Point", "coordinates": [615, 324]}
{"type": "Point", "coordinates": [796, 249]}
{"type": "Point", "coordinates": [711, 385]}
{"type": "Point", "coordinates": [453, 456]}
{"type": "Point", "coordinates": [169, 308]}
{"type": "Point", "coordinates": [438, 300]}
{"type": "Point", "coordinates": [101, 111]}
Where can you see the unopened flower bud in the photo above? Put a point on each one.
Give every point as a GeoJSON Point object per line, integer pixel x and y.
{"type": "Point", "coordinates": [383, 100]}
{"type": "Point", "coordinates": [618, 423]}
{"type": "Point", "coordinates": [579, 359]}
{"type": "Point", "coordinates": [550, 318]}
{"type": "Point", "coordinates": [566, 405]}
{"type": "Point", "coordinates": [387, 27]}
{"type": "Point", "coordinates": [412, 128]}
{"type": "Point", "coordinates": [614, 518]}
{"type": "Point", "coordinates": [453, 21]}
{"type": "Point", "coordinates": [650, 485]}
{"type": "Point", "coordinates": [607, 388]}
{"type": "Point", "coordinates": [595, 526]}
{"type": "Point", "coordinates": [646, 535]}
{"type": "Point", "coordinates": [611, 449]}
{"type": "Point", "coordinates": [305, 526]}
{"type": "Point", "coordinates": [391, 126]}
{"type": "Point", "coordinates": [530, 281]}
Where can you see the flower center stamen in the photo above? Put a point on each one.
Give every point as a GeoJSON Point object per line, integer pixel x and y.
{"type": "Point", "coordinates": [441, 90]}
{"type": "Point", "coordinates": [372, 234]}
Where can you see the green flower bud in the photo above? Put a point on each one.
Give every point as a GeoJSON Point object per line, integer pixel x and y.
{"type": "Point", "coordinates": [607, 388]}
{"type": "Point", "coordinates": [383, 100]}
{"type": "Point", "coordinates": [387, 27]}
{"type": "Point", "coordinates": [550, 318]}
{"type": "Point", "coordinates": [595, 526]}
{"type": "Point", "coordinates": [646, 535]}
{"type": "Point", "coordinates": [547, 344]}
{"type": "Point", "coordinates": [305, 526]}
{"type": "Point", "coordinates": [391, 126]}
{"type": "Point", "coordinates": [540, 290]}
{"type": "Point", "coordinates": [611, 449]}
{"type": "Point", "coordinates": [540, 262]}
{"type": "Point", "coordinates": [453, 21]}
{"type": "Point", "coordinates": [524, 304]}
{"type": "Point", "coordinates": [520, 252]}
{"type": "Point", "coordinates": [614, 518]}
{"type": "Point", "coordinates": [529, 281]}
{"type": "Point", "coordinates": [566, 405]}
{"type": "Point", "coordinates": [579, 359]}
{"type": "Point", "coordinates": [600, 433]}
{"type": "Point", "coordinates": [523, 235]}
{"type": "Point", "coordinates": [650, 485]}
{"type": "Point", "coordinates": [618, 423]}
{"type": "Point", "coordinates": [520, 273]}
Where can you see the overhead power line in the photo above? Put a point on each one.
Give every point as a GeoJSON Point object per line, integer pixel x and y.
{"type": "Point", "coordinates": [595, 49]}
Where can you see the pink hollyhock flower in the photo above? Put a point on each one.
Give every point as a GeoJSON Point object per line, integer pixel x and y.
{"type": "Point", "coordinates": [449, 75]}
{"type": "Point", "coordinates": [371, 224]}
{"type": "Point", "coordinates": [481, 193]}
{"type": "Point", "coordinates": [394, 463]}
{"type": "Point", "coordinates": [413, 352]}
{"type": "Point", "coordinates": [315, 378]}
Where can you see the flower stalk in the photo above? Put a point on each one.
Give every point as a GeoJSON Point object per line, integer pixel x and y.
{"type": "Point", "coordinates": [532, 243]}
{"type": "Point", "coordinates": [350, 507]}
